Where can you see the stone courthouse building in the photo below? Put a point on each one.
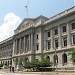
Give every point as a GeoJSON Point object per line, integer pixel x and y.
{"type": "Point", "coordinates": [35, 36]}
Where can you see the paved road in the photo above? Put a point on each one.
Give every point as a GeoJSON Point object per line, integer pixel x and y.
{"type": "Point", "coordinates": [6, 73]}
{"type": "Point", "coordinates": [15, 74]}
{"type": "Point", "coordinates": [37, 73]}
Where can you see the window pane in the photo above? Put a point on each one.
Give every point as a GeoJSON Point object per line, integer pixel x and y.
{"type": "Point", "coordinates": [73, 26]}
{"type": "Point", "coordinates": [64, 28]}
{"type": "Point", "coordinates": [49, 45]}
{"type": "Point", "coordinates": [37, 36]}
{"type": "Point", "coordinates": [64, 58]}
{"type": "Point", "coordinates": [56, 31]}
{"type": "Point", "coordinates": [55, 58]}
{"type": "Point", "coordinates": [49, 34]}
{"type": "Point", "coordinates": [56, 43]}
{"type": "Point", "coordinates": [73, 39]}
{"type": "Point", "coordinates": [37, 47]}
{"type": "Point", "coordinates": [65, 41]}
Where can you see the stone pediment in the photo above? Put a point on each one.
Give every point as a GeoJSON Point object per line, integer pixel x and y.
{"type": "Point", "coordinates": [29, 22]}
{"type": "Point", "coordinates": [24, 25]}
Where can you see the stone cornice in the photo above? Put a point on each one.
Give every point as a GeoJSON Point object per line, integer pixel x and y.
{"type": "Point", "coordinates": [64, 13]}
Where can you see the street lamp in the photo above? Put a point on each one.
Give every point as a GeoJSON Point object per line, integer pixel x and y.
{"type": "Point", "coordinates": [10, 60]}
{"type": "Point", "coordinates": [56, 61]}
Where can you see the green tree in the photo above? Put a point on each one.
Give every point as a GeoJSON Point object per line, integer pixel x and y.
{"type": "Point", "coordinates": [72, 53]}
{"type": "Point", "coordinates": [45, 62]}
{"type": "Point", "coordinates": [23, 60]}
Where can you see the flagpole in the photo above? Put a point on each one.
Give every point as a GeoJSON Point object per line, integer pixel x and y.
{"type": "Point", "coordinates": [27, 8]}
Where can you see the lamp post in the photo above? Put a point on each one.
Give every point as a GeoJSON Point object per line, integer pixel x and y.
{"type": "Point", "coordinates": [56, 61]}
{"type": "Point", "coordinates": [11, 61]}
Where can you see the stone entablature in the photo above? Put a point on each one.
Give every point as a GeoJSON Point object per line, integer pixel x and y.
{"type": "Point", "coordinates": [60, 15]}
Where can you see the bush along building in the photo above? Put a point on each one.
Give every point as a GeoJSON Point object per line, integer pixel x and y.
{"type": "Point", "coordinates": [41, 35]}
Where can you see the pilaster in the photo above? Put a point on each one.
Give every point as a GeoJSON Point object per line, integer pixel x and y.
{"type": "Point", "coordinates": [52, 45]}
{"type": "Point", "coordinates": [68, 35]}
{"type": "Point", "coordinates": [24, 43]}
{"type": "Point", "coordinates": [60, 38]}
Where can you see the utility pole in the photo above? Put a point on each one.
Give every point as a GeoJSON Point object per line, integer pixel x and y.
{"type": "Point", "coordinates": [56, 61]}
{"type": "Point", "coordinates": [11, 61]}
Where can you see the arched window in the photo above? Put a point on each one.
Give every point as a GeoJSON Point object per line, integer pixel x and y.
{"type": "Point", "coordinates": [55, 58]}
{"type": "Point", "coordinates": [48, 58]}
{"type": "Point", "coordinates": [5, 62]}
{"type": "Point", "coordinates": [64, 58]}
{"type": "Point", "coordinates": [73, 61]}
{"type": "Point", "coordinates": [1, 62]}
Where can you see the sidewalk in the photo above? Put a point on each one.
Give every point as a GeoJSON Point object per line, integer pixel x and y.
{"type": "Point", "coordinates": [40, 73]}
{"type": "Point", "coordinates": [47, 73]}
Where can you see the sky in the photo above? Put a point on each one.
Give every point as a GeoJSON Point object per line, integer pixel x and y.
{"type": "Point", "coordinates": [12, 12]}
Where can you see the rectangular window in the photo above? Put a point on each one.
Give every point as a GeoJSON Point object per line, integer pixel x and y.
{"type": "Point", "coordinates": [56, 43]}
{"type": "Point", "coordinates": [73, 39]}
{"type": "Point", "coordinates": [49, 34]}
{"type": "Point", "coordinates": [37, 36]}
{"type": "Point", "coordinates": [37, 47]}
{"type": "Point", "coordinates": [56, 31]}
{"type": "Point", "coordinates": [73, 26]}
{"type": "Point", "coordinates": [65, 41]}
{"type": "Point", "coordinates": [64, 29]}
{"type": "Point", "coordinates": [49, 45]}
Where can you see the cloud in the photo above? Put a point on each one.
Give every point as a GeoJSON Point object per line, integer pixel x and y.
{"type": "Point", "coordinates": [11, 22]}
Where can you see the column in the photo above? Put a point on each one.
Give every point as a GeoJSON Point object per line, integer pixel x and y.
{"type": "Point", "coordinates": [68, 35]}
{"type": "Point", "coordinates": [19, 45]}
{"type": "Point", "coordinates": [52, 39]}
{"type": "Point", "coordinates": [32, 47]}
{"type": "Point", "coordinates": [16, 46]}
{"type": "Point", "coordinates": [45, 43]}
{"type": "Point", "coordinates": [60, 38]}
{"type": "Point", "coordinates": [24, 43]}
{"type": "Point", "coordinates": [13, 48]}
{"type": "Point", "coordinates": [32, 43]}
{"type": "Point", "coordinates": [29, 43]}
{"type": "Point", "coordinates": [42, 40]}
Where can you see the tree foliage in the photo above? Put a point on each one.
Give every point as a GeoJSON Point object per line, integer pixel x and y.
{"type": "Point", "coordinates": [23, 60]}
{"type": "Point", "coordinates": [43, 63]}
{"type": "Point", "coordinates": [72, 53]}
